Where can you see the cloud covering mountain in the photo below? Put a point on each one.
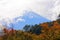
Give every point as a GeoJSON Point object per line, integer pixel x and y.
{"type": "Point", "coordinates": [14, 8]}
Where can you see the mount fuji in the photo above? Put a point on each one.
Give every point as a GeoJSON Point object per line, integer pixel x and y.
{"type": "Point", "coordinates": [29, 18]}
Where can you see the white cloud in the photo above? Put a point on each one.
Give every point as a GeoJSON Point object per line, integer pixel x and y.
{"type": "Point", "coordinates": [20, 19]}
{"type": "Point", "coordinates": [47, 8]}
{"type": "Point", "coordinates": [42, 7]}
{"type": "Point", "coordinates": [55, 10]}
{"type": "Point", "coordinates": [31, 17]}
{"type": "Point", "coordinates": [13, 8]}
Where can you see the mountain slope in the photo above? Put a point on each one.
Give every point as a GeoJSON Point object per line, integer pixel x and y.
{"type": "Point", "coordinates": [30, 18]}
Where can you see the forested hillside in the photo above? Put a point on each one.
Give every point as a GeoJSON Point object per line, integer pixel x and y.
{"type": "Point", "coordinates": [44, 31]}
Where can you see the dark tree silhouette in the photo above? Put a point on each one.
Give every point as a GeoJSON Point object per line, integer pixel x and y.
{"type": "Point", "coordinates": [33, 29]}
{"type": "Point", "coordinates": [26, 28]}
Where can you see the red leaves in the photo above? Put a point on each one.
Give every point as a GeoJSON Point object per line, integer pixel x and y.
{"type": "Point", "coordinates": [7, 32]}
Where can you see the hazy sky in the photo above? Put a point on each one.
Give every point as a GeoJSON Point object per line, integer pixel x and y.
{"type": "Point", "coordinates": [13, 8]}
